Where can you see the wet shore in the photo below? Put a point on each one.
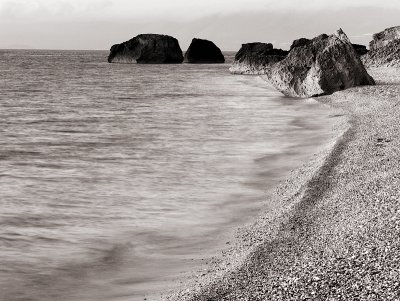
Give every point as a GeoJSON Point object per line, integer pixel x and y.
{"type": "Point", "coordinates": [334, 232]}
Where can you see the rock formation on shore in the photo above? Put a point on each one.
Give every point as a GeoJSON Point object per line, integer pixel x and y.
{"type": "Point", "coordinates": [384, 49]}
{"type": "Point", "coordinates": [256, 58]}
{"type": "Point", "coordinates": [302, 42]}
{"type": "Point", "coordinates": [203, 52]}
{"type": "Point", "coordinates": [324, 65]}
{"type": "Point", "coordinates": [147, 49]}
{"type": "Point", "coordinates": [360, 49]}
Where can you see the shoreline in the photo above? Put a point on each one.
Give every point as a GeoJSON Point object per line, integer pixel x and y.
{"type": "Point", "coordinates": [315, 243]}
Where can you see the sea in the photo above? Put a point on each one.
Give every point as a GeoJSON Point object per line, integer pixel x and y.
{"type": "Point", "coordinates": [117, 180]}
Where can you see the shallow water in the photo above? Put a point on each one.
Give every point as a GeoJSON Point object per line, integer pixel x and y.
{"type": "Point", "coordinates": [115, 179]}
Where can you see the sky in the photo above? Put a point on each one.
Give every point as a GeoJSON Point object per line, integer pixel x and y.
{"type": "Point", "coordinates": [98, 24]}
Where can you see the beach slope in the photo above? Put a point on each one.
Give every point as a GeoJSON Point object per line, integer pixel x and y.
{"type": "Point", "coordinates": [338, 236]}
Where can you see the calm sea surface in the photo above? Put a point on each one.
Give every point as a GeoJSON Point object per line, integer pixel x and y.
{"type": "Point", "coordinates": [115, 179]}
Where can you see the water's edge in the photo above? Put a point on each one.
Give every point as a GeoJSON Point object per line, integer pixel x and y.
{"type": "Point", "coordinates": [265, 227]}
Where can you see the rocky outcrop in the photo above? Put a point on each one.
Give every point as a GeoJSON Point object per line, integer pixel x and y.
{"type": "Point", "coordinates": [324, 65]}
{"type": "Point", "coordinates": [203, 52]}
{"type": "Point", "coordinates": [299, 43]}
{"type": "Point", "coordinates": [360, 49]}
{"type": "Point", "coordinates": [385, 37]}
{"type": "Point", "coordinates": [384, 49]}
{"type": "Point", "coordinates": [256, 58]}
{"type": "Point", "coordinates": [147, 49]}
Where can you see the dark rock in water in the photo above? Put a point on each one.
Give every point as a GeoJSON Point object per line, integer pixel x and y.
{"type": "Point", "coordinates": [256, 58]}
{"type": "Point", "coordinates": [203, 52]}
{"type": "Point", "coordinates": [384, 49]}
{"type": "Point", "coordinates": [325, 65]}
{"type": "Point", "coordinates": [360, 49]}
{"type": "Point", "coordinates": [147, 49]}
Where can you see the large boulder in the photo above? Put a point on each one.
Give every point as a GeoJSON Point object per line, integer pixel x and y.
{"type": "Point", "coordinates": [384, 49]}
{"type": "Point", "coordinates": [256, 58]}
{"type": "Point", "coordinates": [299, 43]}
{"type": "Point", "coordinates": [147, 49]}
{"type": "Point", "coordinates": [325, 65]}
{"type": "Point", "coordinates": [360, 49]}
{"type": "Point", "coordinates": [384, 38]}
{"type": "Point", "coordinates": [203, 52]}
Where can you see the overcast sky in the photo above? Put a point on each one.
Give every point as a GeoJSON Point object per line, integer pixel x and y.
{"type": "Point", "coordinates": [97, 24]}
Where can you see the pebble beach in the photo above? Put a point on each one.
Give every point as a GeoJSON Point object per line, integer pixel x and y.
{"type": "Point", "coordinates": [335, 231]}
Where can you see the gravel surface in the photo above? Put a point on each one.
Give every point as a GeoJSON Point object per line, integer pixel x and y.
{"type": "Point", "coordinates": [335, 233]}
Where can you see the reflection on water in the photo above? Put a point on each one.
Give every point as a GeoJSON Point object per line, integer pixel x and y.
{"type": "Point", "coordinates": [115, 177]}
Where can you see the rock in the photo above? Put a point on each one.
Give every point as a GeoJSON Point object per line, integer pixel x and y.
{"type": "Point", "coordinates": [325, 65]}
{"type": "Point", "coordinates": [360, 49]}
{"type": "Point", "coordinates": [304, 41]}
{"type": "Point", "coordinates": [299, 42]}
{"type": "Point", "coordinates": [256, 58]}
{"type": "Point", "coordinates": [203, 52]}
{"type": "Point", "coordinates": [384, 49]}
{"type": "Point", "coordinates": [385, 37]}
{"type": "Point", "coordinates": [147, 49]}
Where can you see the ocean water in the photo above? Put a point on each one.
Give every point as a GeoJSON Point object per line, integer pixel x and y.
{"type": "Point", "coordinates": [115, 180]}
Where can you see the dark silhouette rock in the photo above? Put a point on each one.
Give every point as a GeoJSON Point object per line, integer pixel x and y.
{"type": "Point", "coordinates": [203, 52]}
{"type": "Point", "coordinates": [384, 49]}
{"type": "Point", "coordinates": [325, 65]}
{"type": "Point", "coordinates": [147, 49]}
{"type": "Point", "coordinates": [256, 58]}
